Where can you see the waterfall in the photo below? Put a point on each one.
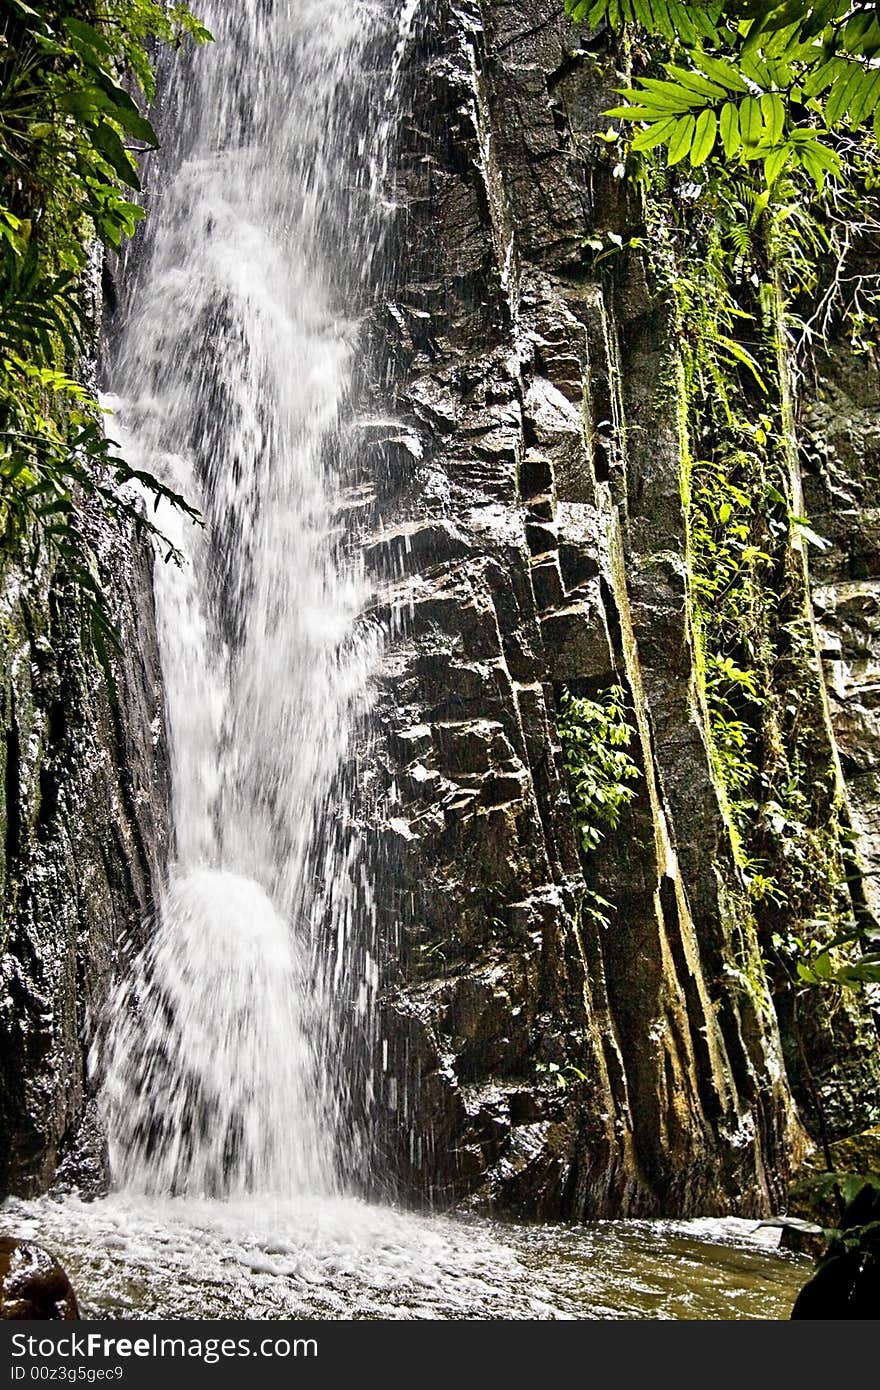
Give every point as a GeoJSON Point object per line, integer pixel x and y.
{"type": "Point", "coordinates": [225, 1058]}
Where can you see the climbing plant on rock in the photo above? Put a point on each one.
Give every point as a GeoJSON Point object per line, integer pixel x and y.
{"type": "Point", "coordinates": [595, 738]}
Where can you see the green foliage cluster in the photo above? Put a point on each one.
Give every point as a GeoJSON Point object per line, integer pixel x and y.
{"type": "Point", "coordinates": [752, 81]}
{"type": "Point", "coordinates": [726, 483]}
{"type": "Point", "coordinates": [595, 736]}
{"type": "Point", "coordinates": [780, 105]}
{"type": "Point", "coordinates": [73, 80]}
{"type": "Point", "coordinates": [761, 678]}
{"type": "Point", "coordinates": [819, 1186]}
{"type": "Point", "coordinates": [829, 966]}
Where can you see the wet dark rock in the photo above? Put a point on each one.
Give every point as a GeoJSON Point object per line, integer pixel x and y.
{"type": "Point", "coordinates": [84, 843]}
{"type": "Point", "coordinates": [32, 1283]}
{"type": "Point", "coordinates": [577, 641]}
{"type": "Point", "coordinates": [846, 1283]}
{"type": "Point", "coordinates": [547, 548]}
{"type": "Point", "coordinates": [839, 429]}
{"type": "Point", "coordinates": [840, 459]}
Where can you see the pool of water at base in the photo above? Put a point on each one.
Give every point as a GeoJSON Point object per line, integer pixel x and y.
{"type": "Point", "coordinates": [343, 1258]}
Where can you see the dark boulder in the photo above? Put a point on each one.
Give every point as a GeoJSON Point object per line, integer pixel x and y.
{"type": "Point", "coordinates": [846, 1283]}
{"type": "Point", "coordinates": [32, 1283]}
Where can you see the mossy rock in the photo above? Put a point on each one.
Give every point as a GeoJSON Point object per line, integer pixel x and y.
{"type": "Point", "coordinates": [859, 1153]}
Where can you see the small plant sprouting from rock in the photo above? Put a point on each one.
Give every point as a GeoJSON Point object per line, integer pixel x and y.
{"type": "Point", "coordinates": [564, 1076]}
{"type": "Point", "coordinates": [595, 737]}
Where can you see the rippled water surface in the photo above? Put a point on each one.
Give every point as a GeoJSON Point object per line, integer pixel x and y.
{"type": "Point", "coordinates": [341, 1258]}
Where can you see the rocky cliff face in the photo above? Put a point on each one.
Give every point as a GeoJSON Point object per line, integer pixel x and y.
{"type": "Point", "coordinates": [840, 427]}
{"type": "Point", "coordinates": [83, 840]}
{"type": "Point", "coordinates": [545, 1054]}
{"type": "Point", "coordinates": [839, 430]}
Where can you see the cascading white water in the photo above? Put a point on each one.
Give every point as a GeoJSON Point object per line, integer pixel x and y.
{"type": "Point", "coordinates": [210, 1087]}
{"type": "Point", "coordinates": [222, 1059]}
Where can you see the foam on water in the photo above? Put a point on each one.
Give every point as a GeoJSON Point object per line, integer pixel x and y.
{"type": "Point", "coordinates": [341, 1258]}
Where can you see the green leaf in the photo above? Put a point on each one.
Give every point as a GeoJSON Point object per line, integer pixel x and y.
{"type": "Point", "coordinates": [828, 159]}
{"type": "Point", "coordinates": [110, 147]}
{"type": "Point", "coordinates": [842, 93]}
{"type": "Point", "coordinates": [776, 163]}
{"type": "Point", "coordinates": [864, 98]}
{"type": "Point", "coordinates": [136, 125]}
{"type": "Point", "coordinates": [720, 71]}
{"type": "Point", "coordinates": [823, 76]}
{"type": "Point", "coordinates": [670, 94]}
{"type": "Point", "coordinates": [681, 140]}
{"type": "Point", "coordinates": [87, 41]}
{"type": "Point", "coordinates": [803, 528]}
{"type": "Point", "coordinates": [864, 971]}
{"type": "Point", "coordinates": [24, 11]}
{"type": "Point", "coordinates": [646, 101]}
{"type": "Point", "coordinates": [756, 69]}
{"type": "Point", "coordinates": [634, 113]}
{"type": "Point", "coordinates": [856, 32]}
{"type": "Point", "coordinates": [704, 137]}
{"type": "Point", "coordinates": [695, 82]}
{"type": "Point", "coordinates": [751, 121]}
{"type": "Point", "coordinates": [681, 17]}
{"type": "Point", "coordinates": [729, 124]}
{"type": "Point", "coordinates": [87, 102]}
{"type": "Point", "coordinates": [90, 102]}
{"type": "Point", "coordinates": [657, 134]}
{"type": "Point", "coordinates": [773, 112]}
{"type": "Point", "coordinates": [737, 353]}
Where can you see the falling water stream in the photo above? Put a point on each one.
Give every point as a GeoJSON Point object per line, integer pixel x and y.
{"type": "Point", "coordinates": [224, 1060]}
{"type": "Point", "coordinates": [227, 1073]}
